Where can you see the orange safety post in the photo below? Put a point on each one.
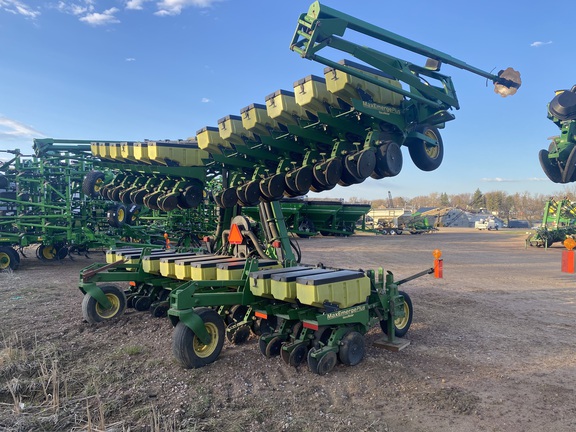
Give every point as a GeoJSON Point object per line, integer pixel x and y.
{"type": "Point", "coordinates": [568, 256]}
{"type": "Point", "coordinates": [167, 240]}
{"type": "Point", "coordinates": [438, 263]}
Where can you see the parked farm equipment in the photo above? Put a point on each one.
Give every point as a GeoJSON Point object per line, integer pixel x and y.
{"type": "Point", "coordinates": [336, 130]}
{"type": "Point", "coordinates": [559, 161]}
{"type": "Point", "coordinates": [52, 198]}
{"type": "Point", "coordinates": [308, 217]}
{"type": "Point", "coordinates": [558, 223]}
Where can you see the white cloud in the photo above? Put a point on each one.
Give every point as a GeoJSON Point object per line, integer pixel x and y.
{"type": "Point", "coordinates": [17, 7]}
{"type": "Point", "coordinates": [539, 44]}
{"type": "Point", "coordinates": [130, 59]}
{"type": "Point", "coordinates": [505, 180]}
{"type": "Point", "coordinates": [205, 100]}
{"type": "Point", "coordinates": [174, 7]}
{"type": "Point", "coordinates": [12, 129]}
{"type": "Point", "coordinates": [76, 9]}
{"type": "Point", "coordinates": [100, 19]}
{"type": "Point", "coordinates": [136, 4]}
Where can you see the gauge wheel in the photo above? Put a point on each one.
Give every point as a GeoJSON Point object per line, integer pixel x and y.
{"type": "Point", "coordinates": [93, 312]}
{"type": "Point", "coordinates": [117, 216]}
{"type": "Point", "coordinates": [192, 196]}
{"type": "Point", "coordinates": [298, 182]}
{"type": "Point", "coordinates": [190, 351]}
{"type": "Point", "coordinates": [249, 194]}
{"type": "Point", "coordinates": [9, 258]}
{"type": "Point", "coordinates": [362, 163]}
{"type": "Point", "coordinates": [426, 156]}
{"type": "Point", "coordinates": [401, 325]}
{"type": "Point", "coordinates": [272, 188]}
{"type": "Point", "coordinates": [46, 252]}
{"type": "Point", "coordinates": [92, 183]}
{"type": "Point", "coordinates": [389, 161]}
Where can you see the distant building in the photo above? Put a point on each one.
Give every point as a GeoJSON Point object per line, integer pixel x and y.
{"type": "Point", "coordinates": [446, 217]}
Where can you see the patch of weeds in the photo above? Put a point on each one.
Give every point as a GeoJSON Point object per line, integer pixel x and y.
{"type": "Point", "coordinates": [133, 350]}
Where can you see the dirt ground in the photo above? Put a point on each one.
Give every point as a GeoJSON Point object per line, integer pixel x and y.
{"type": "Point", "coordinates": [492, 349]}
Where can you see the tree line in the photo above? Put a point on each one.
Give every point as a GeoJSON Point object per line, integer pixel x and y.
{"type": "Point", "coordinates": [524, 205]}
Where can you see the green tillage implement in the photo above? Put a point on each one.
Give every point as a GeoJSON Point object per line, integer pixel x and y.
{"type": "Point", "coordinates": [558, 223]}
{"type": "Point", "coordinates": [42, 202]}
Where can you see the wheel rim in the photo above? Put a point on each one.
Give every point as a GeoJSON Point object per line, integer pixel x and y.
{"type": "Point", "coordinates": [4, 261]}
{"type": "Point", "coordinates": [432, 150]}
{"type": "Point", "coordinates": [401, 323]}
{"type": "Point", "coordinates": [48, 252]}
{"type": "Point", "coordinates": [203, 350]}
{"type": "Point", "coordinates": [110, 312]}
{"type": "Point", "coordinates": [98, 185]}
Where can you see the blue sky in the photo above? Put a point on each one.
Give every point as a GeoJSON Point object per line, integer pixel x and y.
{"type": "Point", "coordinates": [163, 69]}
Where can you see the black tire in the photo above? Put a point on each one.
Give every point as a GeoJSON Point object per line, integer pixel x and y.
{"type": "Point", "coordinates": [9, 258]}
{"type": "Point", "coordinates": [142, 304]}
{"type": "Point", "coordinates": [94, 313]}
{"type": "Point", "coordinates": [401, 325]}
{"type": "Point", "coordinates": [191, 197]}
{"type": "Point", "coordinates": [425, 156]}
{"type": "Point", "coordinates": [92, 183]}
{"type": "Point", "coordinates": [117, 216]}
{"type": "Point", "coordinates": [133, 211]}
{"type": "Point", "coordinates": [273, 347]}
{"type": "Point", "coordinates": [262, 343]}
{"type": "Point", "coordinates": [298, 355]}
{"type": "Point", "coordinates": [4, 182]}
{"type": "Point", "coordinates": [306, 225]}
{"type": "Point", "coordinates": [326, 363]}
{"type": "Point", "coordinates": [189, 350]}
{"type": "Point", "coordinates": [46, 252]}
{"type": "Point", "coordinates": [352, 348]}
{"type": "Point", "coordinates": [389, 161]}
